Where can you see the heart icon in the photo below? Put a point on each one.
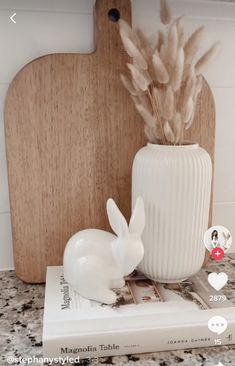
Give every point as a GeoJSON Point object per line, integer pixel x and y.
{"type": "Point", "coordinates": [217, 280]}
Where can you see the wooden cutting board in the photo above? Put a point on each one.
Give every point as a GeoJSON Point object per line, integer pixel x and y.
{"type": "Point", "coordinates": [71, 135]}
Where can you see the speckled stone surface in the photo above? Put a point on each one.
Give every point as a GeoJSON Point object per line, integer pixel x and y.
{"type": "Point", "coordinates": [21, 313]}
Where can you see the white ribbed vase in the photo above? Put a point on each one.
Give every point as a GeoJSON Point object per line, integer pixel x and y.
{"type": "Point", "coordinates": [175, 183]}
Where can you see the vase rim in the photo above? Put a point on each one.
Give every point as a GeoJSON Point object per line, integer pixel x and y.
{"type": "Point", "coordinates": [187, 145]}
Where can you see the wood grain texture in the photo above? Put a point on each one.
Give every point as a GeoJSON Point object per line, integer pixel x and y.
{"type": "Point", "coordinates": [203, 131]}
{"type": "Point", "coordinates": [203, 128]}
{"type": "Point", "coordinates": [71, 135]}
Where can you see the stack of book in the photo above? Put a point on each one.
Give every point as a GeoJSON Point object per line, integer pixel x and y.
{"type": "Point", "coordinates": [147, 316]}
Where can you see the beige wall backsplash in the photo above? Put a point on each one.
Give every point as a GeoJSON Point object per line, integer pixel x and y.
{"type": "Point", "coordinates": [67, 26]}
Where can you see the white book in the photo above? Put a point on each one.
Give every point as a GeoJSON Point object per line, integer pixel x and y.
{"type": "Point", "coordinates": [148, 317]}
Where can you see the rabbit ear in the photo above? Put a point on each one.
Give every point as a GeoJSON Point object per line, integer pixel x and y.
{"type": "Point", "coordinates": [137, 220]}
{"type": "Point", "coordinates": [116, 219]}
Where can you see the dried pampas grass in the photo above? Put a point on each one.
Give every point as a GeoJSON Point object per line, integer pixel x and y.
{"type": "Point", "coordinates": [165, 12]}
{"type": "Point", "coordinates": [171, 47]}
{"type": "Point", "coordinates": [168, 132]}
{"type": "Point", "coordinates": [161, 73]}
{"type": "Point", "coordinates": [168, 104]}
{"type": "Point", "coordinates": [148, 118]}
{"type": "Point", "coordinates": [192, 45]}
{"type": "Point", "coordinates": [177, 73]}
{"type": "Point", "coordinates": [181, 32]}
{"type": "Point", "coordinates": [144, 43]}
{"type": "Point", "coordinates": [165, 76]}
{"type": "Point", "coordinates": [141, 78]}
{"type": "Point", "coordinates": [160, 40]}
{"type": "Point", "coordinates": [206, 58]}
{"type": "Point", "coordinates": [128, 84]}
{"type": "Point", "coordinates": [187, 110]}
{"type": "Point", "coordinates": [198, 88]}
{"type": "Point", "coordinates": [134, 52]}
{"type": "Point", "coordinates": [151, 134]}
{"type": "Point", "coordinates": [177, 123]}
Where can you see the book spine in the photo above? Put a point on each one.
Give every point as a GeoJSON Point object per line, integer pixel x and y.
{"type": "Point", "coordinates": [134, 341]}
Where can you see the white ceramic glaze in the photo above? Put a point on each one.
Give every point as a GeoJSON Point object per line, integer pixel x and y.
{"type": "Point", "coordinates": [96, 261]}
{"type": "Point", "coordinates": [175, 183]}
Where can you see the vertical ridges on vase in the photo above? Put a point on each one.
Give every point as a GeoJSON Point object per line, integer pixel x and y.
{"type": "Point", "coordinates": [175, 184]}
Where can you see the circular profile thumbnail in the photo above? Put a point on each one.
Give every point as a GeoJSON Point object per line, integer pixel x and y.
{"type": "Point", "coordinates": [218, 237]}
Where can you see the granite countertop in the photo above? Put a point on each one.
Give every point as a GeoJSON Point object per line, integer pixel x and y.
{"type": "Point", "coordinates": [21, 312]}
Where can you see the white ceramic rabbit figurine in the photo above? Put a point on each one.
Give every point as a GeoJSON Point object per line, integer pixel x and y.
{"type": "Point", "coordinates": [96, 261]}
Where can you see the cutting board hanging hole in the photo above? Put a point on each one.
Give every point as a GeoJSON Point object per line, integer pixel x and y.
{"type": "Point", "coordinates": [114, 15]}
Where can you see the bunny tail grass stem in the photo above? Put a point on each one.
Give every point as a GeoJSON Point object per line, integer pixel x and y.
{"type": "Point", "coordinates": [178, 128]}
{"type": "Point", "coordinates": [181, 138]}
{"type": "Point", "coordinates": [169, 133]}
{"type": "Point", "coordinates": [168, 104]}
{"type": "Point", "coordinates": [154, 106]}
